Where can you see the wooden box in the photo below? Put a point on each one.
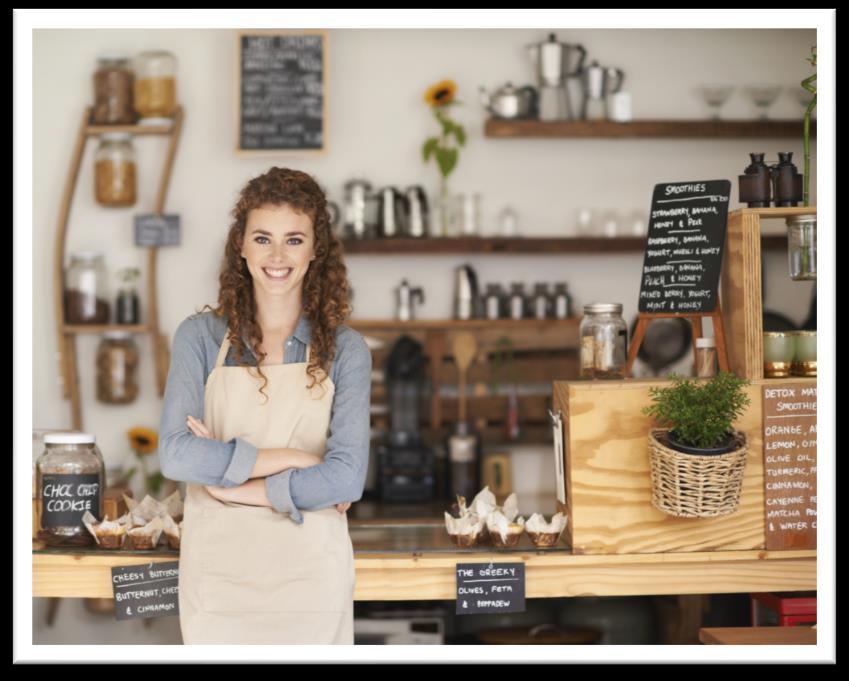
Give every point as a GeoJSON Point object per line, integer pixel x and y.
{"type": "Point", "coordinates": [608, 478]}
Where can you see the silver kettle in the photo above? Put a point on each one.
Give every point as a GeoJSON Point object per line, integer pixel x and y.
{"type": "Point", "coordinates": [511, 102]}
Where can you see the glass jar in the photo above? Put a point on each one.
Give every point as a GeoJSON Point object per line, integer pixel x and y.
{"type": "Point", "coordinates": [517, 301]}
{"type": "Point", "coordinates": [492, 301]}
{"type": "Point", "coordinates": [562, 301]}
{"type": "Point", "coordinates": [541, 301]}
{"type": "Point", "coordinates": [604, 340]}
{"type": "Point", "coordinates": [113, 90]}
{"type": "Point", "coordinates": [115, 170]}
{"type": "Point", "coordinates": [86, 296]}
{"type": "Point", "coordinates": [69, 479]}
{"type": "Point", "coordinates": [127, 302]}
{"type": "Point", "coordinates": [705, 357]}
{"type": "Point", "coordinates": [802, 247]}
{"type": "Point", "coordinates": [155, 86]}
{"type": "Point", "coordinates": [117, 362]}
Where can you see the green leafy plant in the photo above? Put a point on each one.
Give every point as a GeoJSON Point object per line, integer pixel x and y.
{"type": "Point", "coordinates": [440, 98]}
{"type": "Point", "coordinates": [700, 414]}
{"type": "Point", "coordinates": [810, 84]}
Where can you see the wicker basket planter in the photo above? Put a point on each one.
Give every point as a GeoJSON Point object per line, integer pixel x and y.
{"type": "Point", "coordinates": [692, 485]}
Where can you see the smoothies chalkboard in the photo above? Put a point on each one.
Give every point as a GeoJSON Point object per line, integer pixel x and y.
{"type": "Point", "coordinates": [687, 226]}
{"type": "Point", "coordinates": [282, 97]}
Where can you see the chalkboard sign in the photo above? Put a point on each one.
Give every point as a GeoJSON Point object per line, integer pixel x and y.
{"type": "Point", "coordinates": [66, 498]}
{"type": "Point", "coordinates": [157, 230]}
{"type": "Point", "coordinates": [145, 591]}
{"type": "Point", "coordinates": [282, 98]}
{"type": "Point", "coordinates": [687, 226]}
{"type": "Point", "coordinates": [490, 588]}
{"type": "Point", "coordinates": [790, 466]}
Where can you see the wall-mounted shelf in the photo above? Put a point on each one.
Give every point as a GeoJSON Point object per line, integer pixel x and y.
{"type": "Point", "coordinates": [502, 128]}
{"type": "Point", "coordinates": [502, 245]}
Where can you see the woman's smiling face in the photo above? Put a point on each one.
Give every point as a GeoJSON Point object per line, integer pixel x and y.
{"type": "Point", "coordinates": [278, 246]}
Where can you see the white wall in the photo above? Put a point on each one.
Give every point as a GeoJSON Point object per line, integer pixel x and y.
{"type": "Point", "coordinates": [377, 123]}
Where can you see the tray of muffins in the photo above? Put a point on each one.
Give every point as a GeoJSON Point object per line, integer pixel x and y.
{"type": "Point", "coordinates": [146, 525]}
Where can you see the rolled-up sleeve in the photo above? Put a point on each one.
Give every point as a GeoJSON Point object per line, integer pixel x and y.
{"type": "Point", "coordinates": [341, 476]}
{"type": "Point", "coordinates": [182, 455]}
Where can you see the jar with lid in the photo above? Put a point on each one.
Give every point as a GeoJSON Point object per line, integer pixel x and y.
{"type": "Point", "coordinates": [541, 301]}
{"type": "Point", "coordinates": [86, 296]}
{"type": "Point", "coordinates": [705, 357]}
{"type": "Point", "coordinates": [156, 86]}
{"type": "Point", "coordinates": [802, 247]}
{"type": "Point", "coordinates": [117, 362]}
{"type": "Point", "coordinates": [70, 475]}
{"type": "Point", "coordinates": [113, 90]}
{"type": "Point", "coordinates": [492, 301]}
{"type": "Point", "coordinates": [517, 301]}
{"type": "Point", "coordinates": [115, 170]}
{"type": "Point", "coordinates": [127, 302]}
{"type": "Point", "coordinates": [562, 301]}
{"type": "Point", "coordinates": [604, 337]}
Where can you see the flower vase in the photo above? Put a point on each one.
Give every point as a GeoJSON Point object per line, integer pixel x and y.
{"type": "Point", "coordinates": [443, 224]}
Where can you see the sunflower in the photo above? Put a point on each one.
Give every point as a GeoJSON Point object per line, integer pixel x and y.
{"type": "Point", "coordinates": [441, 94]}
{"type": "Point", "coordinates": [143, 440]}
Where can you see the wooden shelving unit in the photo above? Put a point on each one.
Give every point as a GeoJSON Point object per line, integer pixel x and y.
{"type": "Point", "coordinates": [508, 246]}
{"type": "Point", "coordinates": [728, 129]}
{"type": "Point", "coordinates": [742, 297]}
{"type": "Point", "coordinates": [67, 333]}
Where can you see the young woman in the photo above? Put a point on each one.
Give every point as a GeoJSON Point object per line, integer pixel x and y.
{"type": "Point", "coordinates": [266, 417]}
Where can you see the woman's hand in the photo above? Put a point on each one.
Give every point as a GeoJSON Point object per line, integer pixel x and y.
{"type": "Point", "coordinates": [219, 493]}
{"type": "Point", "coordinates": [198, 428]}
{"type": "Point", "coordinates": [343, 507]}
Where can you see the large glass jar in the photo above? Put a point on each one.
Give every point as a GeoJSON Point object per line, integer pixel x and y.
{"type": "Point", "coordinates": [69, 480]}
{"type": "Point", "coordinates": [802, 247]}
{"type": "Point", "coordinates": [86, 295]}
{"type": "Point", "coordinates": [113, 90]}
{"type": "Point", "coordinates": [604, 341]}
{"type": "Point", "coordinates": [115, 170]}
{"type": "Point", "coordinates": [155, 86]}
{"type": "Point", "coordinates": [117, 364]}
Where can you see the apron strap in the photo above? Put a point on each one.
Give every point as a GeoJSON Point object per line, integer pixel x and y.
{"type": "Point", "coordinates": [222, 352]}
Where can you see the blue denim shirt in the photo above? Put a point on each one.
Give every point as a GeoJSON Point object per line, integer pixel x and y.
{"type": "Point", "coordinates": [186, 457]}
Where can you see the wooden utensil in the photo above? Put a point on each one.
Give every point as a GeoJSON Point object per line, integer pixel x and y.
{"type": "Point", "coordinates": [465, 348]}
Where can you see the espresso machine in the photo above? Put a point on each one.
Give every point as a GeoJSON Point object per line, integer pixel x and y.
{"type": "Point", "coordinates": [406, 467]}
{"type": "Point", "coordinates": [558, 66]}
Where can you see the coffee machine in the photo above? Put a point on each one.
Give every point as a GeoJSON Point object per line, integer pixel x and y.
{"type": "Point", "coordinates": [406, 467]}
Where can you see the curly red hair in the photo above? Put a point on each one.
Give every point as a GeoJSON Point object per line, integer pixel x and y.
{"type": "Point", "coordinates": [326, 299]}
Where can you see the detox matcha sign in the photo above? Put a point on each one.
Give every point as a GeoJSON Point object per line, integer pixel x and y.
{"type": "Point", "coordinates": [490, 588]}
{"type": "Point", "coordinates": [687, 226]}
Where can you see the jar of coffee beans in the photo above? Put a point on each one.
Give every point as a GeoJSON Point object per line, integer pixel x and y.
{"type": "Point", "coordinates": [115, 170]}
{"type": "Point", "coordinates": [117, 364]}
{"type": "Point", "coordinates": [70, 475]}
{"type": "Point", "coordinates": [113, 90]}
{"type": "Point", "coordinates": [86, 296]}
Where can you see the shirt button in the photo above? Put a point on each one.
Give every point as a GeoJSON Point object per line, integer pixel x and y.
{"type": "Point", "coordinates": [288, 342]}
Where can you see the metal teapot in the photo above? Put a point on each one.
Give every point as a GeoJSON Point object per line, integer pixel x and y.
{"type": "Point", "coordinates": [511, 102]}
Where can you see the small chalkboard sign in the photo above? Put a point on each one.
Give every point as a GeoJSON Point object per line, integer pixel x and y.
{"type": "Point", "coordinates": [153, 230]}
{"type": "Point", "coordinates": [66, 498]}
{"type": "Point", "coordinates": [282, 91]}
{"type": "Point", "coordinates": [490, 588]}
{"type": "Point", "coordinates": [790, 466]}
{"type": "Point", "coordinates": [145, 591]}
{"type": "Point", "coordinates": [687, 226]}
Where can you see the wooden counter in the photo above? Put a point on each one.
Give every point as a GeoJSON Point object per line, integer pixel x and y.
{"type": "Point", "coordinates": [759, 636]}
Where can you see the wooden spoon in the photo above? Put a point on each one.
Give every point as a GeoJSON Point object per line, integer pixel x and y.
{"type": "Point", "coordinates": [465, 348]}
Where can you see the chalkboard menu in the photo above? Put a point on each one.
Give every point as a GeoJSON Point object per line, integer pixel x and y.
{"type": "Point", "coordinates": [687, 226]}
{"type": "Point", "coordinates": [490, 588]}
{"type": "Point", "coordinates": [790, 466]}
{"type": "Point", "coordinates": [145, 591]}
{"type": "Point", "coordinates": [282, 99]}
{"type": "Point", "coordinates": [66, 498]}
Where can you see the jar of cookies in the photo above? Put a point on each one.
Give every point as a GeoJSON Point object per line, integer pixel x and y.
{"type": "Point", "coordinates": [117, 364]}
{"type": "Point", "coordinates": [113, 90]}
{"type": "Point", "coordinates": [155, 87]}
{"type": "Point", "coordinates": [115, 170]}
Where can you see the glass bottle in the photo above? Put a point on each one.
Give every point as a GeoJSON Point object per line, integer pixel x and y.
{"type": "Point", "coordinates": [786, 181]}
{"type": "Point", "coordinates": [541, 301]}
{"type": "Point", "coordinates": [562, 301]}
{"type": "Point", "coordinates": [115, 170]}
{"type": "Point", "coordinates": [86, 297]}
{"type": "Point", "coordinates": [508, 222]}
{"type": "Point", "coordinates": [604, 337]}
{"type": "Point", "coordinates": [755, 189]}
{"type": "Point", "coordinates": [113, 90]}
{"type": "Point", "coordinates": [70, 475]}
{"type": "Point", "coordinates": [517, 301]}
{"type": "Point", "coordinates": [117, 362]}
{"type": "Point", "coordinates": [156, 86]}
{"type": "Point", "coordinates": [127, 302]}
{"type": "Point", "coordinates": [802, 247]}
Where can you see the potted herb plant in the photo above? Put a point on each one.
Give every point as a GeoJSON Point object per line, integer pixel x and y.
{"type": "Point", "coordinates": [698, 458]}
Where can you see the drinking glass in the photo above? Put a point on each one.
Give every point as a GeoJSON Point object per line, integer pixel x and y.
{"type": "Point", "coordinates": [715, 96]}
{"type": "Point", "coordinates": [763, 96]}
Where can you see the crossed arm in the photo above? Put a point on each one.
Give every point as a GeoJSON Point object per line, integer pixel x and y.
{"type": "Point", "coordinates": [269, 462]}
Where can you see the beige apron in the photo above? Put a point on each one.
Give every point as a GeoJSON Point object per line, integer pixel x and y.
{"type": "Point", "coordinates": [249, 574]}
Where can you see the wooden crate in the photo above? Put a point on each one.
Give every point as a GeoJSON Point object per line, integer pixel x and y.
{"type": "Point", "coordinates": [608, 478]}
{"type": "Point", "coordinates": [742, 298]}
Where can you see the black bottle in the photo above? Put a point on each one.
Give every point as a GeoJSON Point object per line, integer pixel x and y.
{"type": "Point", "coordinates": [786, 181]}
{"type": "Point", "coordinates": [755, 184]}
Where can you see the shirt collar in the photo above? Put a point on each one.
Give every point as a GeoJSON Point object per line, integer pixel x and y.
{"type": "Point", "coordinates": [302, 331]}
